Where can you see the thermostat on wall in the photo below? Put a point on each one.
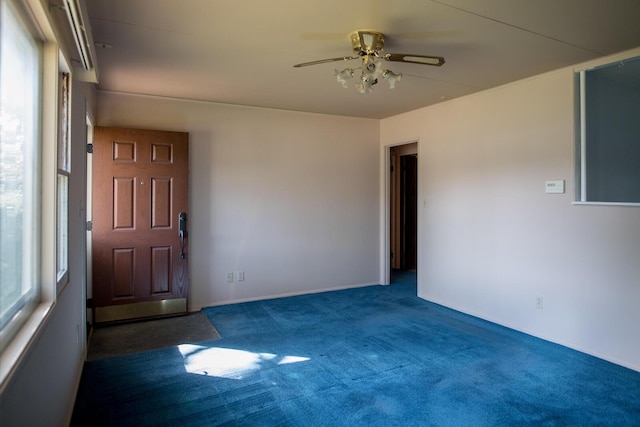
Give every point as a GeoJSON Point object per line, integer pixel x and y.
{"type": "Point", "coordinates": [554, 187]}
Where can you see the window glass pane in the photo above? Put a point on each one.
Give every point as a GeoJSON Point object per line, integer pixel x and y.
{"type": "Point", "coordinates": [64, 145]}
{"type": "Point", "coordinates": [19, 165]}
{"type": "Point", "coordinates": [613, 132]}
{"type": "Point", "coordinates": [62, 188]}
{"type": "Point", "coordinates": [63, 225]}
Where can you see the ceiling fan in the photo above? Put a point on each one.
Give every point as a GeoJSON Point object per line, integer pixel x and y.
{"type": "Point", "coordinates": [369, 46]}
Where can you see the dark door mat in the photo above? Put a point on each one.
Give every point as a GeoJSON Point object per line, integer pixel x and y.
{"type": "Point", "coordinates": [115, 340]}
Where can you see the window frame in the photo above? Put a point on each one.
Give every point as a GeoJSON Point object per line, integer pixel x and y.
{"type": "Point", "coordinates": [35, 16]}
{"type": "Point", "coordinates": [581, 166]}
{"type": "Point", "coordinates": [63, 176]}
{"type": "Point", "coordinates": [25, 70]}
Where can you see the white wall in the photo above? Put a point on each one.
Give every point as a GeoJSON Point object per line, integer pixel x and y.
{"type": "Point", "coordinates": [491, 241]}
{"type": "Point", "coordinates": [42, 390]}
{"type": "Point", "coordinates": [289, 198]}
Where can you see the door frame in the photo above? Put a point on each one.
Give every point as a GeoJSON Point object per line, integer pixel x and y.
{"type": "Point", "coordinates": [88, 294]}
{"type": "Point", "coordinates": [385, 225]}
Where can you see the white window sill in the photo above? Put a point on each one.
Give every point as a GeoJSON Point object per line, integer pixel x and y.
{"type": "Point", "coordinates": [605, 204]}
{"type": "Point", "coordinates": [13, 354]}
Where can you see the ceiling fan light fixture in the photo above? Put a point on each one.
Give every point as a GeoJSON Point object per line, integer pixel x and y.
{"type": "Point", "coordinates": [391, 77]}
{"type": "Point", "coordinates": [343, 76]}
{"type": "Point", "coordinates": [365, 85]}
{"type": "Point", "coordinates": [371, 67]}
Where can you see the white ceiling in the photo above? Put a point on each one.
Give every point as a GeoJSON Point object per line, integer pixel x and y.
{"type": "Point", "coordinates": [242, 51]}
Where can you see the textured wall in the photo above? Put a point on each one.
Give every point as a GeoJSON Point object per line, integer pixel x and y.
{"type": "Point", "coordinates": [289, 198]}
{"type": "Point", "coordinates": [491, 241]}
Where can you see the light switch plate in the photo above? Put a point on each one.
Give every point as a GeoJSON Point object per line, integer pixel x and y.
{"type": "Point", "coordinates": [554, 187]}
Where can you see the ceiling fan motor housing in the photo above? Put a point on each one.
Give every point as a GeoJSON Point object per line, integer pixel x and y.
{"type": "Point", "coordinates": [366, 42]}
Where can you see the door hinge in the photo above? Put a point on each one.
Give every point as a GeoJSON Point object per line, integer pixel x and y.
{"type": "Point", "coordinates": [90, 148]}
{"type": "Point", "coordinates": [89, 225]}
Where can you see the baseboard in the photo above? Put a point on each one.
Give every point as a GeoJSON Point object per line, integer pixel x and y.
{"type": "Point", "coordinates": [536, 335]}
{"type": "Point", "coordinates": [199, 307]}
{"type": "Point", "coordinates": [76, 385]}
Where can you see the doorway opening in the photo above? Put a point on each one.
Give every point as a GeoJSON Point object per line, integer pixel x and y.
{"type": "Point", "coordinates": [403, 208]}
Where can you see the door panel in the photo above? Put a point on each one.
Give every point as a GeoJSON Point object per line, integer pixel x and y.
{"type": "Point", "coordinates": [140, 185]}
{"type": "Point", "coordinates": [160, 270]}
{"type": "Point", "coordinates": [122, 271]}
{"type": "Point", "coordinates": [123, 203]}
{"type": "Point", "coordinates": [160, 203]}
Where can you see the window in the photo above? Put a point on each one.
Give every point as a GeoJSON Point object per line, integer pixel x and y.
{"type": "Point", "coordinates": [609, 146]}
{"type": "Point", "coordinates": [64, 168]}
{"type": "Point", "coordinates": [20, 70]}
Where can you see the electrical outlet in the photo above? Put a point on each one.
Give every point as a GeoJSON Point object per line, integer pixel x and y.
{"type": "Point", "coordinates": [229, 277]}
{"type": "Point", "coordinates": [240, 276]}
{"type": "Point", "coordinates": [539, 303]}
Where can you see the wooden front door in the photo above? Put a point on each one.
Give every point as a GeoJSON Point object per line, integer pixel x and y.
{"type": "Point", "coordinates": [140, 188]}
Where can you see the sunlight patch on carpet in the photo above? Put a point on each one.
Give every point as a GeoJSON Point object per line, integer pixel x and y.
{"type": "Point", "coordinates": [228, 362]}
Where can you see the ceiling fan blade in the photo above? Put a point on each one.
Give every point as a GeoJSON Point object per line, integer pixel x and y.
{"type": "Point", "coordinates": [415, 59]}
{"type": "Point", "coordinates": [322, 61]}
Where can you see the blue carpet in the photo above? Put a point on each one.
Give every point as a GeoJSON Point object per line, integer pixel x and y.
{"type": "Point", "coordinates": [374, 356]}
